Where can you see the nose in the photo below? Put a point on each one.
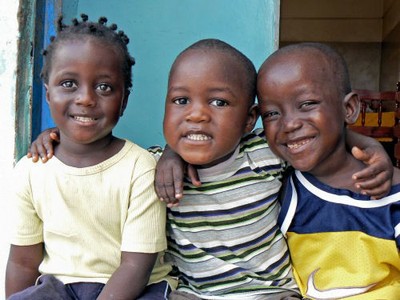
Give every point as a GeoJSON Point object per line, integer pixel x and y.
{"type": "Point", "coordinates": [291, 123]}
{"type": "Point", "coordinates": [85, 97]}
{"type": "Point", "coordinates": [198, 112]}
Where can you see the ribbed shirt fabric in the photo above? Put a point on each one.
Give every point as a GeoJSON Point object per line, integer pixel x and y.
{"type": "Point", "coordinates": [223, 237]}
{"type": "Point", "coordinates": [87, 216]}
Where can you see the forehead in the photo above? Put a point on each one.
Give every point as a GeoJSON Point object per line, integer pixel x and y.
{"type": "Point", "coordinates": [297, 73]}
{"type": "Point", "coordinates": [208, 62]}
{"type": "Point", "coordinates": [87, 51]}
{"type": "Point", "coordinates": [302, 64]}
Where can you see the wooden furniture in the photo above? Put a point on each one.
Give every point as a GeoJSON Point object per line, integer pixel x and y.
{"type": "Point", "coordinates": [380, 118]}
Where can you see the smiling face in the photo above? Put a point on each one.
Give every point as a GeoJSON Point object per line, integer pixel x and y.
{"type": "Point", "coordinates": [303, 110]}
{"type": "Point", "coordinates": [86, 90]}
{"type": "Point", "coordinates": [207, 108]}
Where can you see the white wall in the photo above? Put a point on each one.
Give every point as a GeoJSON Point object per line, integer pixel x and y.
{"type": "Point", "coordinates": [8, 66]}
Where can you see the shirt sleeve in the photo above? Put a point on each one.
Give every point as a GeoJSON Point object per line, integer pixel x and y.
{"type": "Point", "coordinates": [27, 226]}
{"type": "Point", "coordinates": [144, 228]}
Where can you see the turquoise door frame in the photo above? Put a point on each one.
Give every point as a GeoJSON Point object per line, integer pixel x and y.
{"type": "Point", "coordinates": [158, 31]}
{"type": "Point", "coordinates": [45, 14]}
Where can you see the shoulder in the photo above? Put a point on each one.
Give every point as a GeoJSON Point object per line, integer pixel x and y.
{"type": "Point", "coordinates": [138, 154]}
{"type": "Point", "coordinates": [25, 165]}
{"type": "Point", "coordinates": [256, 145]}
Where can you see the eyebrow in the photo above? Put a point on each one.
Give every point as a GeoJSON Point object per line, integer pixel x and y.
{"type": "Point", "coordinates": [213, 89]}
{"type": "Point", "coordinates": [74, 74]}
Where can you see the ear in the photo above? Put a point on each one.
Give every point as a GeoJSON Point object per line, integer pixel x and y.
{"type": "Point", "coordinates": [352, 107]}
{"type": "Point", "coordinates": [252, 117]}
{"type": "Point", "coordinates": [47, 93]}
{"type": "Point", "coordinates": [124, 103]}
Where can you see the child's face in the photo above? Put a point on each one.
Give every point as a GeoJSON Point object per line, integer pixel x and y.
{"type": "Point", "coordinates": [207, 107]}
{"type": "Point", "coordinates": [302, 112]}
{"type": "Point", "coordinates": [85, 90]}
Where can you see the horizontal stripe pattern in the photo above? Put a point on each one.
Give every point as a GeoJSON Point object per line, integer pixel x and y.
{"type": "Point", "coordinates": [223, 236]}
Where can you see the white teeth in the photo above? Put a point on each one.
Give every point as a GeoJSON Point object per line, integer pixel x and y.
{"type": "Point", "coordinates": [198, 137]}
{"type": "Point", "coordinates": [298, 144]}
{"type": "Point", "coordinates": [84, 119]}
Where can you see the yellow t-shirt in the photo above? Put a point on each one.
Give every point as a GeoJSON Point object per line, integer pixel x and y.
{"type": "Point", "coordinates": [87, 216]}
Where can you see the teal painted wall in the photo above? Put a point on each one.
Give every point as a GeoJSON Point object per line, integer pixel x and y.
{"type": "Point", "coordinates": [160, 29]}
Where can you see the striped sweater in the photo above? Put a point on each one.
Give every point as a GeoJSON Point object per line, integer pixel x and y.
{"type": "Point", "coordinates": [223, 237]}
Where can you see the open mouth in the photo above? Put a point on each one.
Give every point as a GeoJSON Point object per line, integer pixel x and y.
{"type": "Point", "coordinates": [84, 119]}
{"type": "Point", "coordinates": [298, 144]}
{"type": "Point", "coordinates": [198, 137]}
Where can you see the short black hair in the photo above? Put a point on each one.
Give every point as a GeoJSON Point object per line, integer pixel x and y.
{"type": "Point", "coordinates": [336, 62]}
{"type": "Point", "coordinates": [87, 29]}
{"type": "Point", "coordinates": [216, 44]}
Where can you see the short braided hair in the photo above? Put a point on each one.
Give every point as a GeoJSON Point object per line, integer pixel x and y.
{"type": "Point", "coordinates": [87, 29]}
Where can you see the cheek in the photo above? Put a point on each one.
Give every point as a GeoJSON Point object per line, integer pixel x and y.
{"type": "Point", "coordinates": [169, 128]}
{"type": "Point", "coordinates": [269, 130]}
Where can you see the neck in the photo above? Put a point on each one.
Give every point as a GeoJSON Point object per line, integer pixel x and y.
{"type": "Point", "coordinates": [85, 155]}
{"type": "Point", "coordinates": [339, 175]}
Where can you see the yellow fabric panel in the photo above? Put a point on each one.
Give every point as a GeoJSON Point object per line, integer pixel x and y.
{"type": "Point", "coordinates": [346, 260]}
{"type": "Point", "coordinates": [371, 119]}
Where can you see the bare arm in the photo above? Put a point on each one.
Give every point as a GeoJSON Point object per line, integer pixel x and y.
{"type": "Point", "coordinates": [23, 267]}
{"type": "Point", "coordinates": [376, 179]}
{"type": "Point", "coordinates": [43, 146]}
{"type": "Point", "coordinates": [169, 177]}
{"type": "Point", "coordinates": [131, 277]}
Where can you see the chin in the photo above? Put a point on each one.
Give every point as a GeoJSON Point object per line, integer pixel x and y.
{"type": "Point", "coordinates": [198, 161]}
{"type": "Point", "coordinates": [302, 167]}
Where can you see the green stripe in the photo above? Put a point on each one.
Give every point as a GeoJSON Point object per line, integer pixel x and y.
{"type": "Point", "coordinates": [217, 223]}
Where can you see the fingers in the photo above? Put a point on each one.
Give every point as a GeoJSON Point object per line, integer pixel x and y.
{"type": "Point", "coordinates": [375, 186]}
{"type": "Point", "coordinates": [359, 154]}
{"type": "Point", "coordinates": [38, 150]}
{"type": "Point", "coordinates": [54, 136]}
{"type": "Point", "coordinates": [169, 186]}
{"type": "Point", "coordinates": [376, 178]}
{"type": "Point", "coordinates": [193, 175]}
{"type": "Point", "coordinates": [43, 147]}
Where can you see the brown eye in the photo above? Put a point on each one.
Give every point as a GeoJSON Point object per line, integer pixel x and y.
{"type": "Point", "coordinates": [308, 104]}
{"type": "Point", "coordinates": [270, 115]}
{"type": "Point", "coordinates": [104, 87]}
{"type": "Point", "coordinates": [68, 84]}
{"type": "Point", "coordinates": [219, 102]}
{"type": "Point", "coordinates": [181, 101]}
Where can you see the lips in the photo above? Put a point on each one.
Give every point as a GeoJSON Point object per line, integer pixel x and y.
{"type": "Point", "coordinates": [198, 137]}
{"type": "Point", "coordinates": [297, 144]}
{"type": "Point", "coordinates": [84, 119]}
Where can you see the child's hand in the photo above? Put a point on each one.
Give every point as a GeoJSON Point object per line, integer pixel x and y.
{"type": "Point", "coordinates": [43, 145]}
{"type": "Point", "coordinates": [169, 177]}
{"type": "Point", "coordinates": [376, 179]}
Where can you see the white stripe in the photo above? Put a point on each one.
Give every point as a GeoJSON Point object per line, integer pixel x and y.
{"type": "Point", "coordinates": [397, 231]}
{"type": "Point", "coordinates": [333, 293]}
{"type": "Point", "coordinates": [291, 210]}
{"type": "Point", "coordinates": [259, 194]}
{"type": "Point", "coordinates": [346, 200]}
{"type": "Point", "coordinates": [229, 243]}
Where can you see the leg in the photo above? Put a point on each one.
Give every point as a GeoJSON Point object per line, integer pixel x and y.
{"type": "Point", "coordinates": [156, 291]}
{"type": "Point", "coordinates": [177, 295]}
{"type": "Point", "coordinates": [84, 290]}
{"type": "Point", "coordinates": [47, 288]}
